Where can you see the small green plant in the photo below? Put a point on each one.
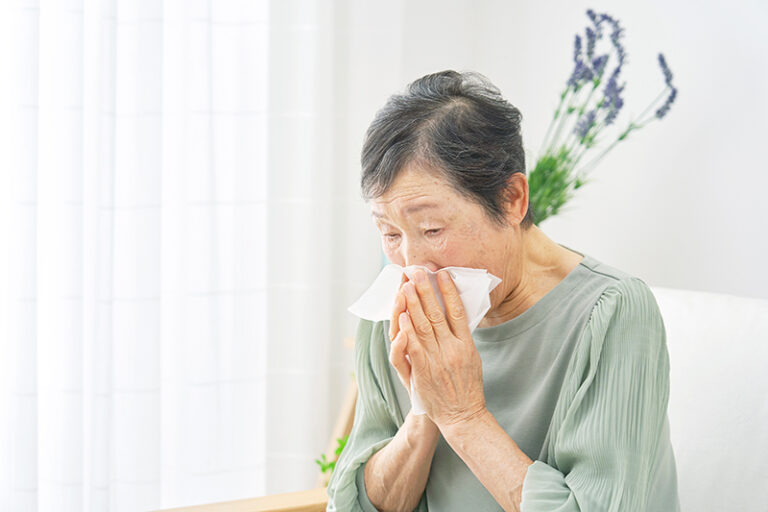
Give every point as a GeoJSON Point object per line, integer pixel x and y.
{"type": "Point", "coordinates": [325, 464]}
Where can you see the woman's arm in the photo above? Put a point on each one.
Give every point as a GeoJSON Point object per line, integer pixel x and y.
{"type": "Point", "coordinates": [492, 456]}
{"type": "Point", "coordinates": [396, 475]}
{"type": "Point", "coordinates": [610, 450]}
{"type": "Point", "coordinates": [611, 435]}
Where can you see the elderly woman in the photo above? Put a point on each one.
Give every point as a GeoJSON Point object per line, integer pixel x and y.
{"type": "Point", "coordinates": [557, 401]}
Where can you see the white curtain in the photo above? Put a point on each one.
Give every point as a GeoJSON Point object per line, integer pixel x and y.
{"type": "Point", "coordinates": [181, 234]}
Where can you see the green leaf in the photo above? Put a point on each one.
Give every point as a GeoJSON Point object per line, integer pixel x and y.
{"type": "Point", "coordinates": [323, 462]}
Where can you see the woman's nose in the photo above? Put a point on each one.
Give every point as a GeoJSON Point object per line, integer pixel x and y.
{"type": "Point", "coordinates": [422, 262]}
{"type": "Point", "coordinates": [415, 256]}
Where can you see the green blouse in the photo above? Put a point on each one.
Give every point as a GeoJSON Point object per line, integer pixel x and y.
{"type": "Point", "coordinates": [580, 381]}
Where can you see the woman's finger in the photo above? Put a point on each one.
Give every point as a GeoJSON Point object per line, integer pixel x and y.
{"type": "Point", "coordinates": [397, 359]}
{"type": "Point", "coordinates": [454, 308]}
{"type": "Point", "coordinates": [419, 323]}
{"type": "Point", "coordinates": [399, 307]}
{"type": "Point", "coordinates": [432, 309]}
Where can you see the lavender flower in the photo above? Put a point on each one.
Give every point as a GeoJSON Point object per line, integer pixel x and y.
{"type": "Point", "coordinates": [561, 160]}
{"type": "Point", "coordinates": [665, 70]}
{"type": "Point", "coordinates": [615, 39]}
{"type": "Point", "coordinates": [667, 104]}
{"type": "Point", "coordinates": [598, 64]}
{"type": "Point", "coordinates": [596, 22]}
{"type": "Point", "coordinates": [613, 101]}
{"type": "Point", "coordinates": [577, 49]}
{"type": "Point", "coordinates": [580, 72]}
{"type": "Point", "coordinates": [590, 43]}
{"type": "Point", "coordinates": [586, 122]}
{"type": "Point", "coordinates": [594, 66]}
{"type": "Point", "coordinates": [612, 93]}
{"type": "Point", "coordinates": [662, 111]}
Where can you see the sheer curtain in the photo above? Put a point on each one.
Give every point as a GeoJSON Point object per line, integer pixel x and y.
{"type": "Point", "coordinates": [181, 234]}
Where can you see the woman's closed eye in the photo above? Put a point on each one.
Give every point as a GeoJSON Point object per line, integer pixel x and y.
{"type": "Point", "coordinates": [428, 232]}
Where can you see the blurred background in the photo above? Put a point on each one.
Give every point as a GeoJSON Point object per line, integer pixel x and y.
{"type": "Point", "coordinates": [181, 229]}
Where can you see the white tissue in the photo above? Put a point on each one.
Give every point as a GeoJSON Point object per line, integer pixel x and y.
{"type": "Point", "coordinates": [378, 301]}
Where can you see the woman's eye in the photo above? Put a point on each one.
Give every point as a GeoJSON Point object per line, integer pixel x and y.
{"type": "Point", "coordinates": [390, 236]}
{"type": "Point", "coordinates": [432, 231]}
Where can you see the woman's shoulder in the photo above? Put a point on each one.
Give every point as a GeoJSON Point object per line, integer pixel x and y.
{"type": "Point", "coordinates": [609, 273]}
{"type": "Point", "coordinates": [624, 332]}
{"type": "Point", "coordinates": [630, 296]}
{"type": "Point", "coordinates": [626, 319]}
{"type": "Point", "coordinates": [618, 292]}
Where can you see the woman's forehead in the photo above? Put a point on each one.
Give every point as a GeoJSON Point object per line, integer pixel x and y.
{"type": "Point", "coordinates": [379, 212]}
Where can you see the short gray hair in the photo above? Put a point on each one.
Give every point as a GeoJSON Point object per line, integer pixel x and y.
{"type": "Point", "coordinates": [460, 126]}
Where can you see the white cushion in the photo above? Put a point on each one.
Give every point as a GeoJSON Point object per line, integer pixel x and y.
{"type": "Point", "coordinates": [718, 404]}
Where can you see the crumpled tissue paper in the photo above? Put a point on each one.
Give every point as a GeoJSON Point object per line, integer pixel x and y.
{"type": "Point", "coordinates": [378, 301]}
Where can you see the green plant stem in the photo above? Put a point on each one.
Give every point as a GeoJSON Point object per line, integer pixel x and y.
{"type": "Point", "coordinates": [558, 112]}
{"type": "Point", "coordinates": [651, 104]}
{"type": "Point", "coordinates": [596, 129]}
{"type": "Point", "coordinates": [580, 111]}
{"type": "Point", "coordinates": [589, 97]}
{"type": "Point", "coordinates": [563, 121]}
{"type": "Point", "coordinates": [597, 159]}
{"type": "Point", "coordinates": [576, 141]}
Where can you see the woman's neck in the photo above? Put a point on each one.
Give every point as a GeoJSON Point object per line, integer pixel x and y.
{"type": "Point", "coordinates": [541, 264]}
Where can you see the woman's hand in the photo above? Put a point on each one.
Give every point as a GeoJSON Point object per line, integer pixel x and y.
{"type": "Point", "coordinates": [399, 341]}
{"type": "Point", "coordinates": [447, 369]}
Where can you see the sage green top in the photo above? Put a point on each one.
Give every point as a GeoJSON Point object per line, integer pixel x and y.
{"type": "Point", "coordinates": [580, 381]}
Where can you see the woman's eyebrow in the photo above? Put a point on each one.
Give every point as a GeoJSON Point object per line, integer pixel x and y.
{"type": "Point", "coordinates": [409, 209]}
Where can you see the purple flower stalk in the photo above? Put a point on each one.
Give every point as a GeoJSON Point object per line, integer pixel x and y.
{"type": "Point", "coordinates": [595, 22]}
{"type": "Point", "coordinates": [598, 64]}
{"type": "Point", "coordinates": [612, 100]}
{"type": "Point", "coordinates": [586, 122]}
{"type": "Point", "coordinates": [665, 70]}
{"type": "Point", "coordinates": [662, 111]}
{"type": "Point", "coordinates": [667, 104]}
{"type": "Point", "coordinates": [590, 43]}
{"type": "Point", "coordinates": [577, 49]}
{"type": "Point", "coordinates": [581, 73]}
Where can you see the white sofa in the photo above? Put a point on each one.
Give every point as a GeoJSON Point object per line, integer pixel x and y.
{"type": "Point", "coordinates": [718, 404]}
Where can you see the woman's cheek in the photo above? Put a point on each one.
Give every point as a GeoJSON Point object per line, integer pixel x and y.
{"type": "Point", "coordinates": [450, 250]}
{"type": "Point", "coordinates": [463, 250]}
{"type": "Point", "coordinates": [392, 254]}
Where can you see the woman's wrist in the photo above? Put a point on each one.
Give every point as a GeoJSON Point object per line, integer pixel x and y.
{"type": "Point", "coordinates": [421, 430]}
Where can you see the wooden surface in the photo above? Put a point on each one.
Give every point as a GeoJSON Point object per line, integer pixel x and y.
{"type": "Point", "coordinates": [314, 500]}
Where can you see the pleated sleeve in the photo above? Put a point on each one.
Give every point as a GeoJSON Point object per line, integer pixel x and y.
{"type": "Point", "coordinates": [377, 420]}
{"type": "Point", "coordinates": [610, 444]}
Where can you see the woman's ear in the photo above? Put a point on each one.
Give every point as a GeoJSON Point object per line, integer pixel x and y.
{"type": "Point", "coordinates": [516, 197]}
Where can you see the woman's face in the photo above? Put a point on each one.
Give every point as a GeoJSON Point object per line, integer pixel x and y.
{"type": "Point", "coordinates": [422, 221]}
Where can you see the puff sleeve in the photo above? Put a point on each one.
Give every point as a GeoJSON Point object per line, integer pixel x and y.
{"type": "Point", "coordinates": [611, 450]}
